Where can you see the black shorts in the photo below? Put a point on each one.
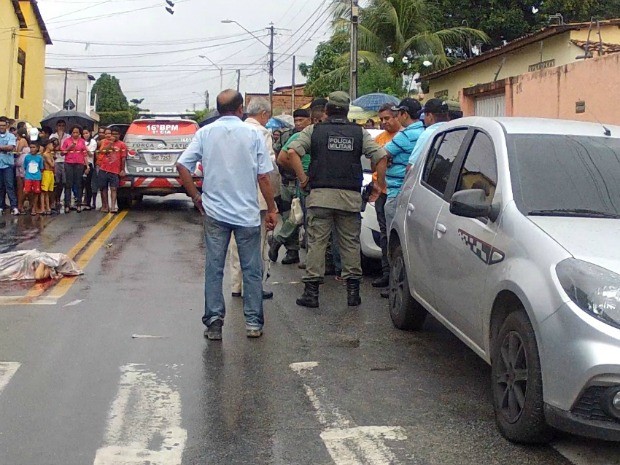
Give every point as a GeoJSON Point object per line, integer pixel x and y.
{"type": "Point", "coordinates": [106, 179]}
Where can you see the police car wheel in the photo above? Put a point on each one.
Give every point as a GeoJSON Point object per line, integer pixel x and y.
{"type": "Point", "coordinates": [124, 201]}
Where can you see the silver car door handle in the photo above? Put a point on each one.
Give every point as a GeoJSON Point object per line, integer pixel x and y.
{"type": "Point", "coordinates": [441, 228]}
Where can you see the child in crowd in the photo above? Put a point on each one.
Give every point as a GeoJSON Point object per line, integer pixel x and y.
{"type": "Point", "coordinates": [47, 178]}
{"type": "Point", "coordinates": [33, 167]}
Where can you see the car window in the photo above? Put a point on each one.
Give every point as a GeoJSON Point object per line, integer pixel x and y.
{"type": "Point", "coordinates": [480, 168]}
{"type": "Point", "coordinates": [440, 160]}
{"type": "Point", "coordinates": [565, 174]}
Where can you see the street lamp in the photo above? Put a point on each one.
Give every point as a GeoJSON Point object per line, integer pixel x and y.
{"type": "Point", "coordinates": [406, 67]}
{"type": "Point", "coordinates": [218, 67]}
{"type": "Point", "coordinates": [229, 21]}
{"type": "Point", "coordinates": [270, 47]}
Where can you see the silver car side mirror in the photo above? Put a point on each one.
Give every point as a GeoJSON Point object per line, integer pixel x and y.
{"type": "Point", "coordinates": [472, 203]}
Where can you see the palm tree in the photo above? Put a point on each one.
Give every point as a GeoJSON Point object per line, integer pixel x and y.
{"type": "Point", "coordinates": [404, 29]}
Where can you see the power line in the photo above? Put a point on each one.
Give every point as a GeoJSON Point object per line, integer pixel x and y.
{"type": "Point", "coordinates": [75, 22]}
{"type": "Point", "coordinates": [318, 18]}
{"type": "Point", "coordinates": [133, 55]}
{"type": "Point", "coordinates": [64, 15]}
{"type": "Point", "coordinates": [151, 43]}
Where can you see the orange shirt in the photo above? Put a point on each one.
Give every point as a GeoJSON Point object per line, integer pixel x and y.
{"type": "Point", "coordinates": [382, 139]}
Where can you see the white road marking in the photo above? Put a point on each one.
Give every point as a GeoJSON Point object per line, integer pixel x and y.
{"type": "Point", "coordinates": [146, 336]}
{"type": "Point", "coordinates": [584, 452]}
{"type": "Point", "coordinates": [144, 422]}
{"type": "Point", "coordinates": [73, 303]}
{"type": "Point", "coordinates": [346, 443]}
{"type": "Point", "coordinates": [22, 300]}
{"type": "Point", "coordinates": [7, 370]}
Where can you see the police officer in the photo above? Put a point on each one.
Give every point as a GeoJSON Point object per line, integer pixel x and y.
{"type": "Point", "coordinates": [334, 180]}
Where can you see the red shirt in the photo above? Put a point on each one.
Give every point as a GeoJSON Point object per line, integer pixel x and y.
{"type": "Point", "coordinates": [111, 156]}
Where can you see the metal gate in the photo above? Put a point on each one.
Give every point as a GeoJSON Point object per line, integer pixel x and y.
{"type": "Point", "coordinates": [492, 105]}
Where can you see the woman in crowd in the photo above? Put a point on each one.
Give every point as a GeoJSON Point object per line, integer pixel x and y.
{"type": "Point", "coordinates": [21, 149]}
{"type": "Point", "coordinates": [91, 147]}
{"type": "Point", "coordinates": [76, 162]}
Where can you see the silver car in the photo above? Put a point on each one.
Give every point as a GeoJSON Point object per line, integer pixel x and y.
{"type": "Point", "coordinates": [507, 232]}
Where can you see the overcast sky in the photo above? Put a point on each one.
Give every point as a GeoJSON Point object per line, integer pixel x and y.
{"type": "Point", "coordinates": [156, 55]}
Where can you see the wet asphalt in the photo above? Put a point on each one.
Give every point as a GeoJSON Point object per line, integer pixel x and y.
{"type": "Point", "coordinates": [241, 402]}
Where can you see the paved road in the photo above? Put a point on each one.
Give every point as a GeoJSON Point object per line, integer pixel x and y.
{"type": "Point", "coordinates": [112, 368]}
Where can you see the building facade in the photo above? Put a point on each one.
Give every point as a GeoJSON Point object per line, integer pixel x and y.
{"type": "Point", "coordinates": [283, 100]}
{"type": "Point", "coordinates": [67, 88]}
{"type": "Point", "coordinates": [23, 38]}
{"type": "Point", "coordinates": [549, 73]}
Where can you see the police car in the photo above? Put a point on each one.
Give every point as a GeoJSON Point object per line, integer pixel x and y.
{"type": "Point", "coordinates": [153, 147]}
{"type": "Point", "coordinates": [370, 234]}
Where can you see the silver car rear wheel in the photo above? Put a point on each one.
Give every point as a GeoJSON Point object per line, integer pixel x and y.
{"type": "Point", "coordinates": [517, 382]}
{"type": "Point", "coordinates": [405, 312]}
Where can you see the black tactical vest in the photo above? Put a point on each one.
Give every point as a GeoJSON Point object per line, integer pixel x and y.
{"type": "Point", "coordinates": [336, 152]}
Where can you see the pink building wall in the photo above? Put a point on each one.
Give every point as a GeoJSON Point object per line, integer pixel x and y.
{"type": "Point", "coordinates": [554, 93]}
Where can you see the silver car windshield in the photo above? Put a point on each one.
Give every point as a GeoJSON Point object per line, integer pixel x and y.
{"type": "Point", "coordinates": [565, 175]}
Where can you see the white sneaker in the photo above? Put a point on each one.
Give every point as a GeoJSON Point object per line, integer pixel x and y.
{"type": "Point", "coordinates": [15, 212]}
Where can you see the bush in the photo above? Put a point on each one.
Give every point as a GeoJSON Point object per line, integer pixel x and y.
{"type": "Point", "coordinates": [115, 117]}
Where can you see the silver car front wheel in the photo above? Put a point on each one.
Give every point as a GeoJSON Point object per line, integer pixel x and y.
{"type": "Point", "coordinates": [517, 382]}
{"type": "Point", "coordinates": [405, 312]}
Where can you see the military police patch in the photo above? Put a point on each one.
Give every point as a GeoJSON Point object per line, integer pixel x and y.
{"type": "Point", "coordinates": [339, 143]}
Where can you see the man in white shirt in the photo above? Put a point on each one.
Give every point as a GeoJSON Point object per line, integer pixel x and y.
{"type": "Point", "coordinates": [259, 112]}
{"type": "Point", "coordinates": [234, 158]}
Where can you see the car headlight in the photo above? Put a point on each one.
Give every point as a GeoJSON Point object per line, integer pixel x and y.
{"type": "Point", "coordinates": [592, 288]}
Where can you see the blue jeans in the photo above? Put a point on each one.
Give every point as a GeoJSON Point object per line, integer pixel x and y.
{"type": "Point", "coordinates": [7, 186]}
{"type": "Point", "coordinates": [217, 238]}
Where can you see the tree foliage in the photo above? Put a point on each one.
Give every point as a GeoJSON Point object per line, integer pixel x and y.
{"type": "Point", "coordinates": [328, 71]}
{"type": "Point", "coordinates": [507, 20]}
{"type": "Point", "coordinates": [402, 29]}
{"type": "Point", "coordinates": [441, 32]}
{"type": "Point", "coordinates": [379, 77]}
{"type": "Point", "coordinates": [110, 97]}
{"type": "Point", "coordinates": [115, 117]}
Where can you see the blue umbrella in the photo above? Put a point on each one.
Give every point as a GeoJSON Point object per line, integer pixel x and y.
{"type": "Point", "coordinates": [274, 123]}
{"type": "Point", "coordinates": [374, 101]}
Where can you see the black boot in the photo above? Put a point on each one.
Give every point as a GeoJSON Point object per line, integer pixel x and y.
{"type": "Point", "coordinates": [310, 297]}
{"type": "Point", "coordinates": [292, 256]}
{"type": "Point", "coordinates": [353, 293]}
{"type": "Point", "coordinates": [383, 281]}
{"type": "Point", "coordinates": [274, 248]}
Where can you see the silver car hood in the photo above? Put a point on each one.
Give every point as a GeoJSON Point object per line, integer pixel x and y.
{"type": "Point", "coordinates": [594, 240]}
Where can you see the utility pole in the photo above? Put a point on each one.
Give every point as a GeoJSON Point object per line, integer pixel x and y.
{"type": "Point", "coordinates": [353, 73]}
{"type": "Point", "coordinates": [64, 90]}
{"type": "Point", "coordinates": [238, 79]}
{"type": "Point", "coordinates": [293, 88]}
{"type": "Point", "coordinates": [271, 80]}
{"type": "Point", "coordinates": [206, 99]}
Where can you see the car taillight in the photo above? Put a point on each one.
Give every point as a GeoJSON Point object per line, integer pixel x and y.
{"type": "Point", "coordinates": [132, 154]}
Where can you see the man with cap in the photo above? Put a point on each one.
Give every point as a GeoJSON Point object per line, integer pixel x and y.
{"type": "Point", "coordinates": [288, 235]}
{"type": "Point", "coordinates": [399, 149]}
{"type": "Point", "coordinates": [335, 181]}
{"type": "Point", "coordinates": [436, 113]}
